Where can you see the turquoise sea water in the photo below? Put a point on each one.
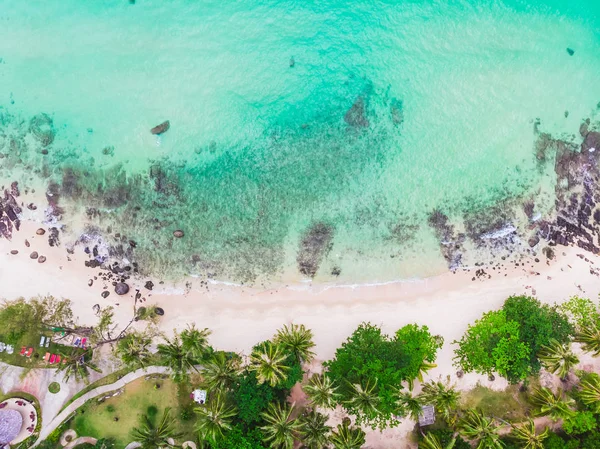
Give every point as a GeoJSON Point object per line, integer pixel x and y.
{"type": "Point", "coordinates": [259, 152]}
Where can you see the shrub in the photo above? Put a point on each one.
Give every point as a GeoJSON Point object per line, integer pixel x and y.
{"type": "Point", "coordinates": [54, 387]}
{"type": "Point", "coordinates": [151, 411]}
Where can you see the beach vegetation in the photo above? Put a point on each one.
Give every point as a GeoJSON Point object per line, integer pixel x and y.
{"type": "Point", "coordinates": [134, 349]}
{"type": "Point", "coordinates": [409, 405]}
{"type": "Point", "coordinates": [443, 396]}
{"type": "Point", "coordinates": [476, 427]}
{"type": "Point", "coordinates": [589, 337]}
{"type": "Point", "coordinates": [346, 436]}
{"type": "Point", "coordinates": [314, 432]}
{"type": "Point", "coordinates": [558, 358]}
{"type": "Point", "coordinates": [221, 370]}
{"type": "Point", "coordinates": [581, 312]}
{"type": "Point", "coordinates": [54, 387]}
{"type": "Point", "coordinates": [296, 340]}
{"type": "Point", "coordinates": [441, 438]}
{"type": "Point", "coordinates": [321, 391]}
{"type": "Point", "coordinates": [554, 405]}
{"type": "Point", "coordinates": [214, 419]}
{"type": "Point", "coordinates": [77, 364]}
{"type": "Point", "coordinates": [179, 359]}
{"type": "Point", "coordinates": [508, 341]}
{"type": "Point", "coordinates": [527, 437]}
{"type": "Point", "coordinates": [379, 363]}
{"type": "Point", "coordinates": [268, 361]}
{"type": "Point", "coordinates": [152, 434]}
{"type": "Point", "coordinates": [280, 429]}
{"type": "Point", "coordinates": [195, 342]}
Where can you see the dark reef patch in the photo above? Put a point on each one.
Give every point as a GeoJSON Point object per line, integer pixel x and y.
{"type": "Point", "coordinates": [314, 246]}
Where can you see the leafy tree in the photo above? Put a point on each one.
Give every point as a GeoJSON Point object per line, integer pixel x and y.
{"type": "Point", "coordinates": [581, 312]}
{"type": "Point", "coordinates": [20, 317]}
{"type": "Point", "coordinates": [589, 337]}
{"type": "Point", "coordinates": [552, 405]}
{"type": "Point", "coordinates": [527, 437]}
{"type": "Point", "coordinates": [589, 392]}
{"type": "Point", "coordinates": [493, 344]}
{"type": "Point", "coordinates": [314, 433]}
{"type": "Point", "coordinates": [214, 419]}
{"type": "Point", "coordinates": [321, 391]}
{"type": "Point", "coordinates": [152, 436]}
{"type": "Point", "coordinates": [76, 364]}
{"type": "Point", "coordinates": [444, 397]}
{"type": "Point", "coordinates": [347, 437]}
{"type": "Point", "coordinates": [195, 342]}
{"type": "Point", "coordinates": [296, 340]}
{"type": "Point", "coordinates": [369, 357]}
{"type": "Point", "coordinates": [558, 358]}
{"type": "Point", "coordinates": [251, 397]}
{"type": "Point", "coordinates": [269, 363]}
{"type": "Point", "coordinates": [555, 441]}
{"type": "Point", "coordinates": [134, 349]}
{"type": "Point", "coordinates": [475, 426]}
{"type": "Point", "coordinates": [509, 340]}
{"type": "Point", "coordinates": [280, 428]}
{"type": "Point", "coordinates": [580, 422]}
{"type": "Point", "coordinates": [221, 371]}
{"type": "Point", "coordinates": [538, 325]}
{"type": "Point", "coordinates": [237, 438]}
{"type": "Point", "coordinates": [177, 358]}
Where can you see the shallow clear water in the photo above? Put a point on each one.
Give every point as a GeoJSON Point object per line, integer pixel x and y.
{"type": "Point", "coordinates": [258, 151]}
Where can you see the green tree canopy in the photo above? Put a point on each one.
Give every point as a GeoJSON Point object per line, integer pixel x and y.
{"type": "Point", "coordinates": [372, 358]}
{"type": "Point", "coordinates": [508, 341]}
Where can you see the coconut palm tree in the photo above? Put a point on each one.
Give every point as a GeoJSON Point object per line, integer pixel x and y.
{"type": "Point", "coordinates": [409, 404]}
{"type": "Point", "coordinates": [221, 370]}
{"type": "Point", "coordinates": [431, 441]}
{"type": "Point", "coordinates": [268, 361]}
{"type": "Point", "coordinates": [297, 340]}
{"type": "Point", "coordinates": [589, 337]}
{"type": "Point", "coordinates": [475, 426]}
{"type": "Point", "coordinates": [364, 399]}
{"type": "Point", "coordinates": [134, 349]}
{"type": "Point", "coordinates": [152, 436]}
{"type": "Point", "coordinates": [558, 358]}
{"type": "Point", "coordinates": [321, 391]}
{"type": "Point", "coordinates": [314, 433]}
{"type": "Point", "coordinates": [76, 364]}
{"type": "Point", "coordinates": [347, 437]}
{"type": "Point", "coordinates": [178, 359]}
{"type": "Point", "coordinates": [527, 437]}
{"type": "Point", "coordinates": [195, 342]}
{"type": "Point", "coordinates": [443, 396]}
{"type": "Point", "coordinates": [214, 419]}
{"type": "Point", "coordinates": [552, 405]}
{"type": "Point", "coordinates": [423, 369]}
{"type": "Point", "coordinates": [589, 392]}
{"type": "Point", "coordinates": [280, 430]}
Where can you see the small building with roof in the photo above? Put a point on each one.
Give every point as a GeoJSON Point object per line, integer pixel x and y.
{"type": "Point", "coordinates": [427, 415]}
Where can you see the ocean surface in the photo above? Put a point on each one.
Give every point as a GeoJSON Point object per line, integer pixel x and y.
{"type": "Point", "coordinates": [307, 140]}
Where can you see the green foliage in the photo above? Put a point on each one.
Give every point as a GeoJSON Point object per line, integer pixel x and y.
{"type": "Point", "coordinates": [581, 312]}
{"type": "Point", "coordinates": [296, 340]}
{"type": "Point", "coordinates": [214, 419]}
{"type": "Point", "coordinates": [538, 324]}
{"type": "Point", "coordinates": [152, 435]}
{"type": "Point", "coordinates": [294, 374]}
{"type": "Point", "coordinates": [555, 441]}
{"type": "Point", "coordinates": [105, 443]}
{"type": "Point", "coordinates": [314, 433]}
{"type": "Point", "coordinates": [173, 354]}
{"type": "Point", "coordinates": [508, 341]}
{"type": "Point", "coordinates": [221, 370]}
{"type": "Point", "coordinates": [580, 422]}
{"type": "Point", "coordinates": [555, 405]}
{"type": "Point", "coordinates": [134, 349]}
{"type": "Point", "coordinates": [370, 357]}
{"type": "Point", "coordinates": [269, 362]}
{"type": "Point", "coordinates": [252, 398]}
{"type": "Point", "coordinates": [527, 436]}
{"type": "Point", "coordinates": [321, 391]}
{"type": "Point", "coordinates": [152, 411]}
{"type": "Point", "coordinates": [444, 437]}
{"type": "Point", "coordinates": [475, 426]}
{"type": "Point", "coordinates": [443, 396]}
{"type": "Point", "coordinates": [558, 358]}
{"type": "Point", "coordinates": [589, 391]}
{"type": "Point", "coordinates": [54, 387]}
{"type": "Point", "coordinates": [195, 343]}
{"type": "Point", "coordinates": [492, 344]}
{"type": "Point", "coordinates": [280, 427]}
{"type": "Point", "coordinates": [236, 438]}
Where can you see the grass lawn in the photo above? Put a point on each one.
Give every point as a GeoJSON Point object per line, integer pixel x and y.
{"type": "Point", "coordinates": [510, 404]}
{"type": "Point", "coordinates": [117, 416]}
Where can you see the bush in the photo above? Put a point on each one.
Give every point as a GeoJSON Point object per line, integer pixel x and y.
{"type": "Point", "coordinates": [54, 387]}
{"type": "Point", "coordinates": [110, 408]}
{"type": "Point", "coordinates": [579, 423]}
{"type": "Point", "coordinates": [187, 413]}
{"type": "Point", "coordinates": [151, 411]}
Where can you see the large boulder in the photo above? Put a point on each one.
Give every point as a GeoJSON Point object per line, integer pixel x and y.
{"type": "Point", "coordinates": [121, 288]}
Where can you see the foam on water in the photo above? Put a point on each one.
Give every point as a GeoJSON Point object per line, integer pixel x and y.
{"type": "Point", "coordinates": [259, 152]}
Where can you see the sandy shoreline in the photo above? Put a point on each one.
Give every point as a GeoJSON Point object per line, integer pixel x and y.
{"type": "Point", "coordinates": [239, 317]}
